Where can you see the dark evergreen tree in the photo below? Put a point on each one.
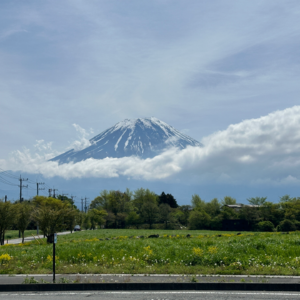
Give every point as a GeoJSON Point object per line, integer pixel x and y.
{"type": "Point", "coordinates": [167, 199]}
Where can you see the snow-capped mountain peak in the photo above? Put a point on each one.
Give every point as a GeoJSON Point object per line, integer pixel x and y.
{"type": "Point", "coordinates": [144, 137]}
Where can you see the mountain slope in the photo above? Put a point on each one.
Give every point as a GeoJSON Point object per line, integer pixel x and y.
{"type": "Point", "coordinates": [141, 137]}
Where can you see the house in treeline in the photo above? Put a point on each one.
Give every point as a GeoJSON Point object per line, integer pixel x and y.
{"type": "Point", "coordinates": [238, 224]}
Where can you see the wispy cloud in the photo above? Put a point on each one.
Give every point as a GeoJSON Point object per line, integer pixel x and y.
{"type": "Point", "coordinates": [83, 141]}
{"type": "Point", "coordinates": [256, 151]}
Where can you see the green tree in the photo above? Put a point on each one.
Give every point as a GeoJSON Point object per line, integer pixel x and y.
{"type": "Point", "coordinates": [149, 212]}
{"type": "Point", "coordinates": [292, 210]}
{"type": "Point", "coordinates": [64, 198]}
{"type": "Point", "coordinates": [167, 199]}
{"type": "Point", "coordinates": [50, 214]}
{"type": "Point", "coordinates": [97, 217]}
{"type": "Point", "coordinates": [257, 200]}
{"type": "Point", "coordinates": [138, 199]}
{"type": "Point", "coordinates": [7, 217]}
{"type": "Point", "coordinates": [165, 214]}
{"type": "Point", "coordinates": [86, 222]}
{"type": "Point", "coordinates": [250, 214]}
{"type": "Point", "coordinates": [285, 198]}
{"type": "Point", "coordinates": [213, 207]}
{"type": "Point", "coordinates": [72, 219]}
{"type": "Point", "coordinates": [199, 220]}
{"type": "Point", "coordinates": [228, 213]}
{"type": "Point", "coordinates": [101, 202]}
{"type": "Point", "coordinates": [227, 200]}
{"type": "Point", "coordinates": [23, 212]}
{"type": "Point", "coordinates": [197, 202]}
{"type": "Point", "coordinates": [149, 208]}
{"type": "Point", "coordinates": [134, 219]}
{"type": "Point", "coordinates": [186, 210]}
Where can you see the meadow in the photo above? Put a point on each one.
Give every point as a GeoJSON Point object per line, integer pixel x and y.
{"type": "Point", "coordinates": [124, 251]}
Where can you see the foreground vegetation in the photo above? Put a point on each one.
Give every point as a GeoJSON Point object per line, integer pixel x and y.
{"type": "Point", "coordinates": [121, 251]}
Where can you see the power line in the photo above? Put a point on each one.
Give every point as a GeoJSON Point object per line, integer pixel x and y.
{"type": "Point", "coordinates": [9, 174]}
{"type": "Point", "coordinates": [3, 180]}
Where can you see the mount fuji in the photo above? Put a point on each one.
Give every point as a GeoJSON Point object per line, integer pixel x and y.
{"type": "Point", "coordinates": [144, 138]}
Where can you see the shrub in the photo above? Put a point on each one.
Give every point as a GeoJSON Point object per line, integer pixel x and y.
{"type": "Point", "coordinates": [265, 226]}
{"type": "Point", "coordinates": [286, 225]}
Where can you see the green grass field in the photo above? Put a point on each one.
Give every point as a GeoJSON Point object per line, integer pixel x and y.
{"type": "Point", "coordinates": [14, 234]}
{"type": "Point", "coordinates": [205, 252]}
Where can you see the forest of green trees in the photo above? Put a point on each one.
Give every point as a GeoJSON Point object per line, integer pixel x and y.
{"type": "Point", "coordinates": [145, 209]}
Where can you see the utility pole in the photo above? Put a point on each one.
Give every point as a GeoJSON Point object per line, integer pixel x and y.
{"type": "Point", "coordinates": [54, 192]}
{"type": "Point", "coordinates": [85, 207]}
{"type": "Point", "coordinates": [5, 198]}
{"type": "Point", "coordinates": [22, 186]}
{"type": "Point", "coordinates": [82, 204]}
{"type": "Point", "coordinates": [50, 192]}
{"type": "Point", "coordinates": [37, 187]}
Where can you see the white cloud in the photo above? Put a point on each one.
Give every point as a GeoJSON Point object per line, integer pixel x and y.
{"type": "Point", "coordinates": [256, 151]}
{"type": "Point", "coordinates": [83, 141]}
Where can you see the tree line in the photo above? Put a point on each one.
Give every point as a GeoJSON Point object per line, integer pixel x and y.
{"type": "Point", "coordinates": [145, 209]}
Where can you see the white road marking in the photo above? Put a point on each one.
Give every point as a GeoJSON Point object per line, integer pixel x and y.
{"type": "Point", "coordinates": [153, 292]}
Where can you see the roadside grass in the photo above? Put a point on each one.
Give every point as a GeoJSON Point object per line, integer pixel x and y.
{"type": "Point", "coordinates": [14, 234]}
{"type": "Point", "coordinates": [120, 251]}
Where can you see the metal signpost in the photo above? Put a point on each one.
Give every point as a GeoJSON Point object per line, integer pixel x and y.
{"type": "Point", "coordinates": [52, 238]}
{"type": "Point", "coordinates": [54, 242]}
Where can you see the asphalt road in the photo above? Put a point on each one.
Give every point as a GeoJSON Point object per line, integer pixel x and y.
{"type": "Point", "coordinates": [148, 295]}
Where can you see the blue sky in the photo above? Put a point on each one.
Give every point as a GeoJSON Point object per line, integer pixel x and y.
{"type": "Point", "coordinates": [224, 72]}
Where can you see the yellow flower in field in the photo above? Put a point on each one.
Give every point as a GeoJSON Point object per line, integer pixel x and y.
{"type": "Point", "coordinates": [198, 251]}
{"type": "Point", "coordinates": [148, 250]}
{"type": "Point", "coordinates": [50, 258]}
{"type": "Point", "coordinates": [5, 257]}
{"type": "Point", "coordinates": [91, 240]}
{"type": "Point", "coordinates": [212, 250]}
{"type": "Point", "coordinates": [177, 235]}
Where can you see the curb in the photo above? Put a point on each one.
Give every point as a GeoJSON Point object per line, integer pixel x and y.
{"type": "Point", "coordinates": [41, 287]}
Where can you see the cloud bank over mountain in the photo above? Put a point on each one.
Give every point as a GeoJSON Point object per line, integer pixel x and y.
{"type": "Point", "coordinates": [256, 151]}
